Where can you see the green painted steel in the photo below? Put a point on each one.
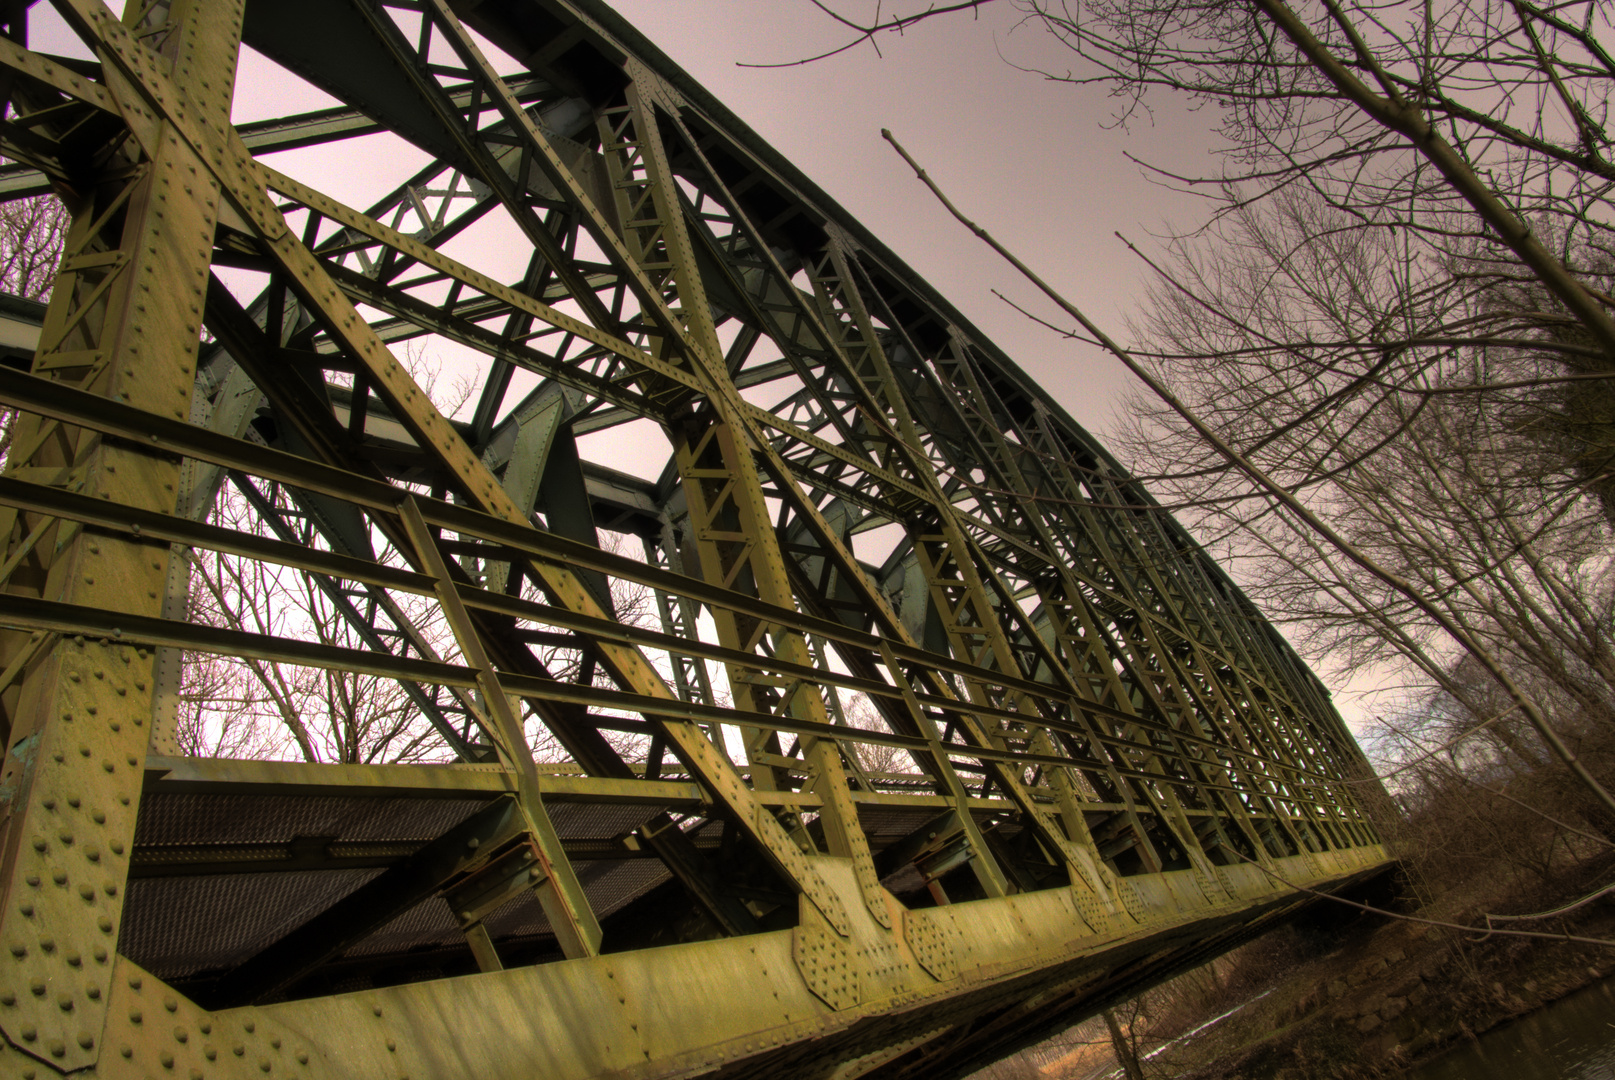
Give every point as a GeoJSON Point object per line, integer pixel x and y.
{"type": "Point", "coordinates": [875, 723]}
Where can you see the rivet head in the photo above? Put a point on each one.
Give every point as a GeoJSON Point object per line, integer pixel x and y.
{"type": "Point", "coordinates": [181, 1035]}
{"type": "Point", "coordinates": [135, 1016]}
{"type": "Point", "coordinates": [86, 1040]}
{"type": "Point", "coordinates": [167, 1060]}
{"type": "Point", "coordinates": [58, 1048]}
{"type": "Point", "coordinates": [170, 1004]}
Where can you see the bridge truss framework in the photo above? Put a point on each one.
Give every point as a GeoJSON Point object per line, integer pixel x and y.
{"type": "Point", "coordinates": [1099, 764]}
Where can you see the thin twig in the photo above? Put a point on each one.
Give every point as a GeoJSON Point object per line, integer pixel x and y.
{"type": "Point", "coordinates": [1564, 910]}
{"type": "Point", "coordinates": [1298, 510]}
{"type": "Point", "coordinates": [1484, 933]}
{"type": "Point", "coordinates": [897, 23]}
{"type": "Point", "coordinates": [1476, 730]}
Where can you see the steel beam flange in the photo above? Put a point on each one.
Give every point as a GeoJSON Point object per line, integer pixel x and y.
{"type": "Point", "coordinates": [827, 963]}
{"type": "Point", "coordinates": [161, 1033]}
{"type": "Point", "coordinates": [885, 969]}
{"type": "Point", "coordinates": [869, 884]}
{"type": "Point", "coordinates": [1212, 885]}
{"type": "Point", "coordinates": [1133, 902]}
{"type": "Point", "coordinates": [1093, 910]}
{"type": "Point", "coordinates": [932, 940]}
{"type": "Point", "coordinates": [72, 859]}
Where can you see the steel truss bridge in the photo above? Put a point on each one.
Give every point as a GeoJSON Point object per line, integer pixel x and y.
{"type": "Point", "coordinates": [884, 725]}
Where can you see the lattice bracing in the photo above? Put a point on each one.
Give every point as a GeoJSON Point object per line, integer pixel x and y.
{"type": "Point", "coordinates": [728, 661]}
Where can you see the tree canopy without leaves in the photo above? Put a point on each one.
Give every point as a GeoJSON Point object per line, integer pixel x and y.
{"type": "Point", "coordinates": [1390, 340]}
{"type": "Point", "coordinates": [1475, 126]}
{"type": "Point", "coordinates": [1446, 464]}
{"type": "Point", "coordinates": [31, 235]}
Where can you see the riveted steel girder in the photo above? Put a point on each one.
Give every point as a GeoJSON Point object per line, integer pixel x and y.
{"type": "Point", "coordinates": [785, 685]}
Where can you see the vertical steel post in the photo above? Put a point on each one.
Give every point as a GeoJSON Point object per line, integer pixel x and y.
{"type": "Point", "coordinates": [123, 322]}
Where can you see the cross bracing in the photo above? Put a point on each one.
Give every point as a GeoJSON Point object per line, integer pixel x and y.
{"type": "Point", "coordinates": [777, 682]}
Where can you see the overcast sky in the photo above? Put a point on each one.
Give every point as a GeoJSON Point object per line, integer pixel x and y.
{"type": "Point", "coordinates": [1031, 160]}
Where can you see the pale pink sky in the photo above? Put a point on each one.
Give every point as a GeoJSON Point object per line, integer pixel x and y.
{"type": "Point", "coordinates": [1031, 160]}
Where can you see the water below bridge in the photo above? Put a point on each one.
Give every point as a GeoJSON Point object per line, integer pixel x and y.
{"type": "Point", "coordinates": [1572, 1039]}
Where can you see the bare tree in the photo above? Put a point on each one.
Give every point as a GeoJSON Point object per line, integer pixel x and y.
{"type": "Point", "coordinates": [1476, 129]}
{"type": "Point", "coordinates": [1319, 353]}
{"type": "Point", "coordinates": [32, 232]}
{"type": "Point", "coordinates": [1124, 1040]}
{"type": "Point", "coordinates": [232, 706]}
{"type": "Point", "coordinates": [859, 712]}
{"type": "Point", "coordinates": [1428, 188]}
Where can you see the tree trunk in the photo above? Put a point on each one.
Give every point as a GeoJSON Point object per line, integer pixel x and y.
{"type": "Point", "coordinates": [1124, 1048]}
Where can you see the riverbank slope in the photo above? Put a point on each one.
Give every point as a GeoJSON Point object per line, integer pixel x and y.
{"type": "Point", "coordinates": [1378, 995]}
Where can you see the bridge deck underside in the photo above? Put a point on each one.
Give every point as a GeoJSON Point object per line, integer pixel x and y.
{"type": "Point", "coordinates": [750, 671]}
{"type": "Point", "coordinates": [226, 859]}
